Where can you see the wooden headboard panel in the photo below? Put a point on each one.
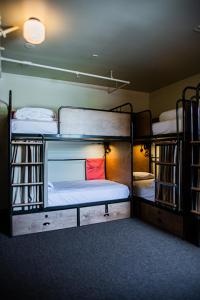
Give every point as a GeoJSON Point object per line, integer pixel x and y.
{"type": "Point", "coordinates": [118, 163]}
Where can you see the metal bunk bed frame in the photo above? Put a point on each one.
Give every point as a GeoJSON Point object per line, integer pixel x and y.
{"type": "Point", "coordinates": [179, 140]}
{"type": "Point", "coordinates": [27, 139]}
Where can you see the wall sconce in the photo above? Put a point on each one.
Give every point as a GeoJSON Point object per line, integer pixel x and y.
{"type": "Point", "coordinates": [146, 148]}
{"type": "Point", "coordinates": [34, 31]}
{"type": "Point", "coordinates": [107, 148]}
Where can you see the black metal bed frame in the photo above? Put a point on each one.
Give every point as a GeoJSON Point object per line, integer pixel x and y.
{"type": "Point", "coordinates": [36, 207]}
{"type": "Point", "coordinates": [195, 152]}
{"type": "Point", "coordinates": [179, 140]}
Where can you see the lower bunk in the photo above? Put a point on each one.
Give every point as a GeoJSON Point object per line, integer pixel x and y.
{"type": "Point", "coordinates": [72, 204]}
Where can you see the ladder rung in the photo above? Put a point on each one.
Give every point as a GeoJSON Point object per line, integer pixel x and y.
{"type": "Point", "coordinates": [166, 183]}
{"type": "Point", "coordinates": [165, 143]}
{"type": "Point", "coordinates": [166, 203]}
{"type": "Point", "coordinates": [195, 142]}
{"type": "Point", "coordinates": [27, 143]}
{"type": "Point", "coordinates": [195, 212]}
{"type": "Point", "coordinates": [195, 189]}
{"type": "Point", "coordinates": [27, 184]}
{"type": "Point", "coordinates": [27, 164]}
{"type": "Point", "coordinates": [195, 165]}
{"type": "Point", "coordinates": [27, 204]}
{"type": "Point", "coordinates": [165, 163]}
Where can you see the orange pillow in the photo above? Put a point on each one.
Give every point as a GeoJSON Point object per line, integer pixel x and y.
{"type": "Point", "coordinates": [95, 168]}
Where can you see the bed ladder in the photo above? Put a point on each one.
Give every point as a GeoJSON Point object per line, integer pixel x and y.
{"type": "Point", "coordinates": [27, 174]}
{"type": "Point", "coordinates": [166, 166]}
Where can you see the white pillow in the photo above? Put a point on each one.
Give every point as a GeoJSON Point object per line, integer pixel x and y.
{"type": "Point", "coordinates": [170, 114]}
{"type": "Point", "coordinates": [142, 175]}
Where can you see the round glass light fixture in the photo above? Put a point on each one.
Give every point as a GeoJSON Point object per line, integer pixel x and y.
{"type": "Point", "coordinates": [34, 31]}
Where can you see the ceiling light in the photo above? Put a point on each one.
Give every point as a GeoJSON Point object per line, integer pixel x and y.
{"type": "Point", "coordinates": [95, 55]}
{"type": "Point", "coordinates": [34, 31]}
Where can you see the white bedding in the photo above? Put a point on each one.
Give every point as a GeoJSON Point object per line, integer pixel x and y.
{"type": "Point", "coordinates": [171, 114]}
{"type": "Point", "coordinates": [145, 189]}
{"type": "Point", "coordinates": [166, 127]}
{"type": "Point", "coordinates": [34, 127]}
{"type": "Point", "coordinates": [85, 191]}
{"type": "Point", "coordinates": [34, 113]}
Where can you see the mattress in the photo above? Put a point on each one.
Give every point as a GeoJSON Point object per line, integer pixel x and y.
{"type": "Point", "coordinates": [34, 127]}
{"type": "Point", "coordinates": [85, 191]}
{"type": "Point", "coordinates": [145, 189]}
{"type": "Point", "coordinates": [166, 127]}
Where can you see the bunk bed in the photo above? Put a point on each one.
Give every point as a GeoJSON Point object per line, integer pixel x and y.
{"type": "Point", "coordinates": [167, 141]}
{"type": "Point", "coordinates": [38, 205]}
{"type": "Point", "coordinates": [194, 204]}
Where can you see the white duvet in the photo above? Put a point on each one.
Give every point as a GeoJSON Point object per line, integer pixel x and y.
{"type": "Point", "coordinates": [85, 191]}
{"type": "Point", "coordinates": [144, 189]}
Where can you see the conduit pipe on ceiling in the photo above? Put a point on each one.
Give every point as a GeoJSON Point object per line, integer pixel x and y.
{"type": "Point", "coordinates": [77, 73]}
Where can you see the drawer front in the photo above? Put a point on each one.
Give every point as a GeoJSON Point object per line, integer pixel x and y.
{"type": "Point", "coordinates": [162, 218]}
{"type": "Point", "coordinates": [45, 221]}
{"type": "Point", "coordinates": [98, 214]}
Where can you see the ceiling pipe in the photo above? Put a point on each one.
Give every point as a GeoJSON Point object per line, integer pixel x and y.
{"type": "Point", "coordinates": [4, 32]}
{"type": "Point", "coordinates": [77, 73]}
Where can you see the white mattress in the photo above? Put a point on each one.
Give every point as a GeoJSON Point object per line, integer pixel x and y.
{"type": "Point", "coordinates": [85, 191]}
{"type": "Point", "coordinates": [34, 127]}
{"type": "Point", "coordinates": [145, 189]}
{"type": "Point", "coordinates": [166, 127]}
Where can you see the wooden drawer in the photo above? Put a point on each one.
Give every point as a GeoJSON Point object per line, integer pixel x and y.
{"type": "Point", "coordinates": [98, 214]}
{"type": "Point", "coordinates": [162, 218]}
{"type": "Point", "coordinates": [44, 221]}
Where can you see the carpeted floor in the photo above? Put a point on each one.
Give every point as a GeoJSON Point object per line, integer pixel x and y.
{"type": "Point", "coordinates": [124, 259]}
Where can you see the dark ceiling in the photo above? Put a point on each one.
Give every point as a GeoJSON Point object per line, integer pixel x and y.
{"type": "Point", "coordinates": [149, 42]}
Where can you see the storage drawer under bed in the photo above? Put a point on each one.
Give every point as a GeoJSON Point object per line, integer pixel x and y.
{"type": "Point", "coordinates": [44, 221]}
{"type": "Point", "coordinates": [104, 213]}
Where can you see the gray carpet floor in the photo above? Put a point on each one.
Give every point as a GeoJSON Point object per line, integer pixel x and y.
{"type": "Point", "coordinates": [125, 259]}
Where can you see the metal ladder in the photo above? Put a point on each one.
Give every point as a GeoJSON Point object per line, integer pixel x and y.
{"type": "Point", "coordinates": [164, 165]}
{"type": "Point", "coordinates": [27, 183]}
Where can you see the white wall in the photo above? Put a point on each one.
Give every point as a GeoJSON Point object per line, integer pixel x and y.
{"type": "Point", "coordinates": [35, 91]}
{"type": "Point", "coordinates": [165, 98]}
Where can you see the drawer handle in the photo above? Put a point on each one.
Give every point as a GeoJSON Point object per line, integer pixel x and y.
{"type": "Point", "coordinates": [46, 224]}
{"type": "Point", "coordinates": [106, 214]}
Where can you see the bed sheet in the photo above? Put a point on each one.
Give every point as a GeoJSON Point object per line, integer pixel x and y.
{"type": "Point", "coordinates": [34, 127]}
{"type": "Point", "coordinates": [85, 191]}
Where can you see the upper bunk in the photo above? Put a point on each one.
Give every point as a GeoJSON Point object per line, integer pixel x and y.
{"type": "Point", "coordinates": [71, 123]}
{"type": "Point", "coordinates": [172, 124]}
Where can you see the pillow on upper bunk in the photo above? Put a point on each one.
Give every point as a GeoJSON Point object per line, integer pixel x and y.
{"type": "Point", "coordinates": [170, 114]}
{"type": "Point", "coordinates": [34, 113]}
{"type": "Point", "coordinates": [95, 168]}
{"type": "Point", "coordinates": [142, 175]}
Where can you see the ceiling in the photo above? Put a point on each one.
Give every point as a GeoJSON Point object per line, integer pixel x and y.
{"type": "Point", "coordinates": [148, 42]}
